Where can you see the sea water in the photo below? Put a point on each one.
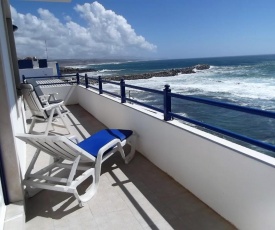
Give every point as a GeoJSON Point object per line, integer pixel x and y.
{"type": "Point", "coordinates": [246, 81]}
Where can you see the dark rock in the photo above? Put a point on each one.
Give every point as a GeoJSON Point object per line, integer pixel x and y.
{"type": "Point", "coordinates": [202, 66]}
{"type": "Point", "coordinates": [166, 73]}
{"type": "Point", "coordinates": [70, 70]}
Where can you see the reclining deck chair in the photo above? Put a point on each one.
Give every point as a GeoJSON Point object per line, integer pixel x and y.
{"type": "Point", "coordinates": [42, 110]}
{"type": "Point", "coordinates": [50, 98]}
{"type": "Point", "coordinates": [73, 156]}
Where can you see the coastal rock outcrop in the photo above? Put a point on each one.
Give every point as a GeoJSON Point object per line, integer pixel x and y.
{"type": "Point", "coordinates": [166, 73]}
{"type": "Point", "coordinates": [70, 70]}
{"type": "Point", "coordinates": [202, 66]}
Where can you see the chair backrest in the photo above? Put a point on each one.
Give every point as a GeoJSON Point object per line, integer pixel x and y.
{"type": "Point", "coordinates": [56, 146]}
{"type": "Point", "coordinates": [33, 101]}
{"type": "Point", "coordinates": [36, 87]}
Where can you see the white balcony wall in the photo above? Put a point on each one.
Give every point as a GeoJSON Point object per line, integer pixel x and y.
{"type": "Point", "coordinates": [52, 65]}
{"type": "Point", "coordinates": [65, 93]}
{"type": "Point", "coordinates": [236, 182]}
{"type": "Point", "coordinates": [36, 72]}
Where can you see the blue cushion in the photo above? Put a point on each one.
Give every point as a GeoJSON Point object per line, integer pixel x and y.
{"type": "Point", "coordinates": [93, 143]}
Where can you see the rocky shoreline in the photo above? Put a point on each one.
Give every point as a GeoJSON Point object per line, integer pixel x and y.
{"type": "Point", "coordinates": [165, 73]}
{"type": "Point", "coordinates": [71, 70]}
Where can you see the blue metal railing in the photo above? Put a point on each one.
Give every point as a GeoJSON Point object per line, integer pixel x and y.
{"type": "Point", "coordinates": [168, 114]}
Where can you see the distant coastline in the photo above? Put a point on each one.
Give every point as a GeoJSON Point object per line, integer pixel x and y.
{"type": "Point", "coordinates": [165, 73]}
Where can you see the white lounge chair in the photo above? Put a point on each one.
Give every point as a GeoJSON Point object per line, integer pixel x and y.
{"type": "Point", "coordinates": [45, 99]}
{"type": "Point", "coordinates": [75, 156]}
{"type": "Point", "coordinates": [42, 109]}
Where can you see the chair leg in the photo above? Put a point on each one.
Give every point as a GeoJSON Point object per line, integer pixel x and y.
{"type": "Point", "coordinates": [29, 191]}
{"type": "Point", "coordinates": [77, 197]}
{"type": "Point", "coordinates": [132, 143]}
{"type": "Point", "coordinates": [121, 151]}
{"type": "Point", "coordinates": [91, 190]}
{"type": "Point", "coordinates": [32, 125]}
{"type": "Point", "coordinates": [50, 119]}
{"type": "Point", "coordinates": [61, 117]}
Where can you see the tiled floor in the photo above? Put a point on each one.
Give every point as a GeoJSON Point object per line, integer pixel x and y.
{"type": "Point", "coordinates": [133, 196]}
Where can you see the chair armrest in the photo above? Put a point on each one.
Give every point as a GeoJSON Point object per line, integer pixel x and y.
{"type": "Point", "coordinates": [52, 106]}
{"type": "Point", "coordinates": [53, 96]}
{"type": "Point", "coordinates": [44, 98]}
{"type": "Point", "coordinates": [73, 139]}
{"type": "Point", "coordinates": [47, 97]}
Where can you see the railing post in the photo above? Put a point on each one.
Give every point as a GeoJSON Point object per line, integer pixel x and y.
{"type": "Point", "coordinates": [100, 90]}
{"type": "Point", "coordinates": [57, 69]}
{"type": "Point", "coordinates": [77, 78]}
{"type": "Point", "coordinates": [122, 91]}
{"type": "Point", "coordinates": [23, 78]}
{"type": "Point", "coordinates": [167, 103]}
{"type": "Point", "coordinates": [86, 81]}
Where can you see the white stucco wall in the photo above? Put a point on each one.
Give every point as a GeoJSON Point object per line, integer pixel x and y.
{"type": "Point", "coordinates": [11, 122]}
{"type": "Point", "coordinates": [237, 182]}
{"type": "Point", "coordinates": [36, 72]}
{"type": "Point", "coordinates": [52, 65]}
{"type": "Point", "coordinates": [65, 92]}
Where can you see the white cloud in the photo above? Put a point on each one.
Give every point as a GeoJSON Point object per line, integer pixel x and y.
{"type": "Point", "coordinates": [67, 18]}
{"type": "Point", "coordinates": [105, 34]}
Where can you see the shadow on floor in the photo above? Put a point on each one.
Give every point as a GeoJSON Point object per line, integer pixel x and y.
{"type": "Point", "coordinates": [154, 198]}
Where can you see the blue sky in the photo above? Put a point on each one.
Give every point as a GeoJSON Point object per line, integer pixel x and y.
{"type": "Point", "coordinates": [146, 28]}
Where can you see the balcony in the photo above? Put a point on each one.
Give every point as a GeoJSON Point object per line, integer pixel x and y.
{"type": "Point", "coordinates": [134, 196]}
{"type": "Point", "coordinates": [236, 182]}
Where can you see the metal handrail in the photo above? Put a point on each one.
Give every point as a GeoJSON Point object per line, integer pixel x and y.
{"type": "Point", "coordinates": [144, 89]}
{"type": "Point", "coordinates": [113, 94]}
{"type": "Point", "coordinates": [226, 132]}
{"type": "Point", "coordinates": [226, 105]}
{"type": "Point", "coordinates": [145, 105]}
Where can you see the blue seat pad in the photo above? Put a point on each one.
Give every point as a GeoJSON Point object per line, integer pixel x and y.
{"type": "Point", "coordinates": [93, 143]}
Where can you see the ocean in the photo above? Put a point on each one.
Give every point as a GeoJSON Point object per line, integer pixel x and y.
{"type": "Point", "coordinates": [245, 80]}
